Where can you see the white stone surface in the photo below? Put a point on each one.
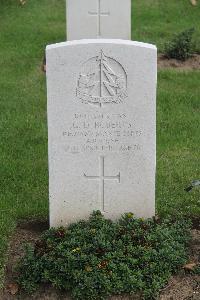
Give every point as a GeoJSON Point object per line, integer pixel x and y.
{"type": "Point", "coordinates": [102, 128]}
{"type": "Point", "coordinates": [88, 19]}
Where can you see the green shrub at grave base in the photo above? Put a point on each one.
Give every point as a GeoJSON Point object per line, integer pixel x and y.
{"type": "Point", "coordinates": [97, 258]}
{"type": "Point", "coordinates": [197, 270]}
{"type": "Point", "coordinates": [181, 45]}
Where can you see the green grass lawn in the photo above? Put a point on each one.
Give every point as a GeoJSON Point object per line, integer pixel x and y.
{"type": "Point", "coordinates": [24, 33]}
{"type": "Point", "coordinates": [155, 21]}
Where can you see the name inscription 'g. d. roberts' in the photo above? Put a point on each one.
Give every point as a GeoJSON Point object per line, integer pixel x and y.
{"type": "Point", "coordinates": [102, 81]}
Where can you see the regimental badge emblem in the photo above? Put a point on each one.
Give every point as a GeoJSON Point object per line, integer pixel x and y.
{"type": "Point", "coordinates": [102, 81]}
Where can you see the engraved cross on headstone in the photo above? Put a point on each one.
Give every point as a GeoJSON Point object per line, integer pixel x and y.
{"type": "Point", "coordinates": [99, 14]}
{"type": "Point", "coordinates": [102, 179]}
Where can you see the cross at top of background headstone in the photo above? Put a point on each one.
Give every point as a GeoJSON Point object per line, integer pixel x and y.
{"type": "Point", "coordinates": [98, 19]}
{"type": "Point", "coordinates": [99, 13]}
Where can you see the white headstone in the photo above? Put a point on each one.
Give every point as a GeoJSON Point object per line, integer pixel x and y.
{"type": "Point", "coordinates": [98, 19]}
{"type": "Point", "coordinates": [102, 128]}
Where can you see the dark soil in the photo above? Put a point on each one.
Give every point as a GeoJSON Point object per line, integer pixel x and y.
{"type": "Point", "coordinates": [192, 63]}
{"type": "Point", "coordinates": [185, 286]}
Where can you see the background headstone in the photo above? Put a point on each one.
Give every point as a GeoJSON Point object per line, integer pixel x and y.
{"type": "Point", "coordinates": [102, 128]}
{"type": "Point", "coordinates": [88, 19]}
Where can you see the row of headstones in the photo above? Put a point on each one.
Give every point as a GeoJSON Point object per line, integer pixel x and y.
{"type": "Point", "coordinates": [101, 116]}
